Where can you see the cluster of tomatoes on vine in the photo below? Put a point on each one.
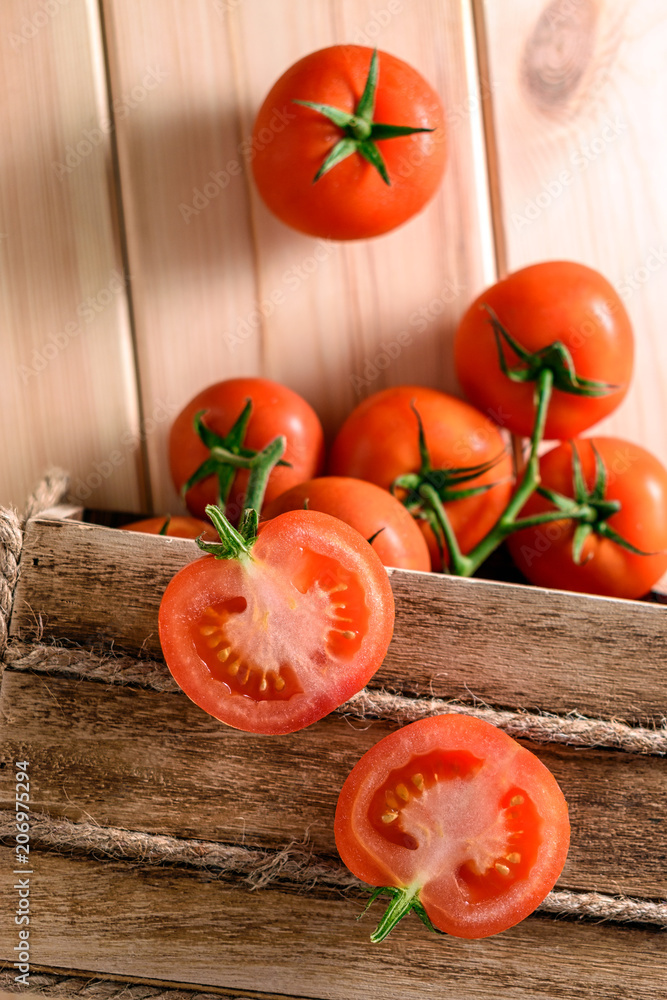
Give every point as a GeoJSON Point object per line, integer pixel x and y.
{"type": "Point", "coordinates": [290, 612]}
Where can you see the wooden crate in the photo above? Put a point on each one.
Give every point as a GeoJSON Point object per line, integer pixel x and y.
{"type": "Point", "coordinates": [141, 799]}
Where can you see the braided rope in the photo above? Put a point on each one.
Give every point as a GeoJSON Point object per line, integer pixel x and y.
{"type": "Point", "coordinates": [574, 730]}
{"type": "Point", "coordinates": [71, 988]}
{"type": "Point", "coordinates": [293, 867]}
{"type": "Point", "coordinates": [49, 491]}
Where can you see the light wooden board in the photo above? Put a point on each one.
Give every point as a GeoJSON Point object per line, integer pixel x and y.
{"type": "Point", "coordinates": [220, 287]}
{"type": "Point", "coordinates": [67, 384]}
{"type": "Point", "coordinates": [506, 645]}
{"type": "Point", "coordinates": [140, 760]}
{"type": "Point", "coordinates": [190, 928]}
{"type": "Point", "coordinates": [579, 90]}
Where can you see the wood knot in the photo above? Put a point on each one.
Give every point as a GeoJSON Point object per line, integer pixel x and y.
{"type": "Point", "coordinates": [558, 52]}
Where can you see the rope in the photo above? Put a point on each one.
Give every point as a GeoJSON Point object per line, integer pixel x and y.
{"type": "Point", "coordinates": [70, 988]}
{"type": "Point", "coordinates": [294, 866]}
{"type": "Point", "coordinates": [48, 492]}
{"type": "Point", "coordinates": [574, 730]}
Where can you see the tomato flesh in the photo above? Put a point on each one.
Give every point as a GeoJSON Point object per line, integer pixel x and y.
{"type": "Point", "coordinates": [277, 640]}
{"type": "Point", "coordinates": [457, 812]}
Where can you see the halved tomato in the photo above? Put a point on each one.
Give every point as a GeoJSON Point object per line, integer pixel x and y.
{"type": "Point", "coordinates": [459, 821]}
{"type": "Point", "coordinates": [275, 639]}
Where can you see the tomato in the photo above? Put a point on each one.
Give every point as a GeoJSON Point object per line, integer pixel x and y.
{"type": "Point", "coordinates": [272, 641]}
{"type": "Point", "coordinates": [538, 305]}
{"type": "Point", "coordinates": [276, 410]}
{"type": "Point", "coordinates": [458, 817]}
{"type": "Point", "coordinates": [379, 442]}
{"type": "Point", "coordinates": [637, 480]}
{"type": "Point", "coordinates": [352, 200]}
{"type": "Point", "coordinates": [176, 527]}
{"type": "Point", "coordinates": [367, 508]}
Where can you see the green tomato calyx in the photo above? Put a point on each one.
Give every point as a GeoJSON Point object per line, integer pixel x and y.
{"type": "Point", "coordinates": [554, 357]}
{"type": "Point", "coordinates": [361, 133]}
{"type": "Point", "coordinates": [402, 901]}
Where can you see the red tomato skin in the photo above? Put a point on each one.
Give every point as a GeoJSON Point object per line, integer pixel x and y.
{"type": "Point", "coordinates": [639, 481]}
{"type": "Point", "coordinates": [368, 509]}
{"type": "Point", "coordinates": [379, 441]}
{"type": "Point", "coordinates": [351, 201]}
{"type": "Point", "coordinates": [538, 305]}
{"type": "Point", "coordinates": [276, 410]}
{"type": "Point", "coordinates": [378, 862]}
{"type": "Point", "coordinates": [178, 527]}
{"type": "Point", "coordinates": [209, 579]}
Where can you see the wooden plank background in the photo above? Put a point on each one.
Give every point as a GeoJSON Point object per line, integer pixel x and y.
{"type": "Point", "coordinates": [120, 112]}
{"type": "Point", "coordinates": [520, 648]}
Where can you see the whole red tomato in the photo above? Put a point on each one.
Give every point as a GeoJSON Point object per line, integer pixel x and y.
{"type": "Point", "coordinates": [634, 478]}
{"type": "Point", "coordinates": [173, 527]}
{"type": "Point", "coordinates": [352, 200]}
{"type": "Point", "coordinates": [278, 636]}
{"type": "Point", "coordinates": [276, 410]}
{"type": "Point", "coordinates": [379, 442]}
{"type": "Point", "coordinates": [374, 513]}
{"type": "Point", "coordinates": [456, 818]}
{"type": "Point", "coordinates": [538, 305]}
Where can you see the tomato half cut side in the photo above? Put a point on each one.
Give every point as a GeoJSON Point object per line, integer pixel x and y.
{"type": "Point", "coordinates": [457, 818]}
{"type": "Point", "coordinates": [275, 641]}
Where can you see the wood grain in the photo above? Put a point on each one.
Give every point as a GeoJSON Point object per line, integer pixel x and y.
{"type": "Point", "coordinates": [507, 645]}
{"type": "Point", "coordinates": [578, 93]}
{"type": "Point", "coordinates": [67, 385]}
{"type": "Point", "coordinates": [141, 760]}
{"type": "Point", "coordinates": [191, 929]}
{"type": "Point", "coordinates": [212, 268]}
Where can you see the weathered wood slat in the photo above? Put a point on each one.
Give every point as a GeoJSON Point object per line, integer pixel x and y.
{"type": "Point", "coordinates": [147, 761]}
{"type": "Point", "coordinates": [190, 928]}
{"type": "Point", "coordinates": [507, 645]}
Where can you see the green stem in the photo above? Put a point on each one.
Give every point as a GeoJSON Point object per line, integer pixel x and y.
{"type": "Point", "coordinates": [507, 522]}
{"type": "Point", "coordinates": [459, 564]}
{"type": "Point", "coordinates": [235, 544]}
{"type": "Point", "coordinates": [403, 901]}
{"type": "Point", "coordinates": [261, 468]}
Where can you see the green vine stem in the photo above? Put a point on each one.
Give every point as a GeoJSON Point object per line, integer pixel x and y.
{"type": "Point", "coordinates": [237, 543]}
{"type": "Point", "coordinates": [509, 521]}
